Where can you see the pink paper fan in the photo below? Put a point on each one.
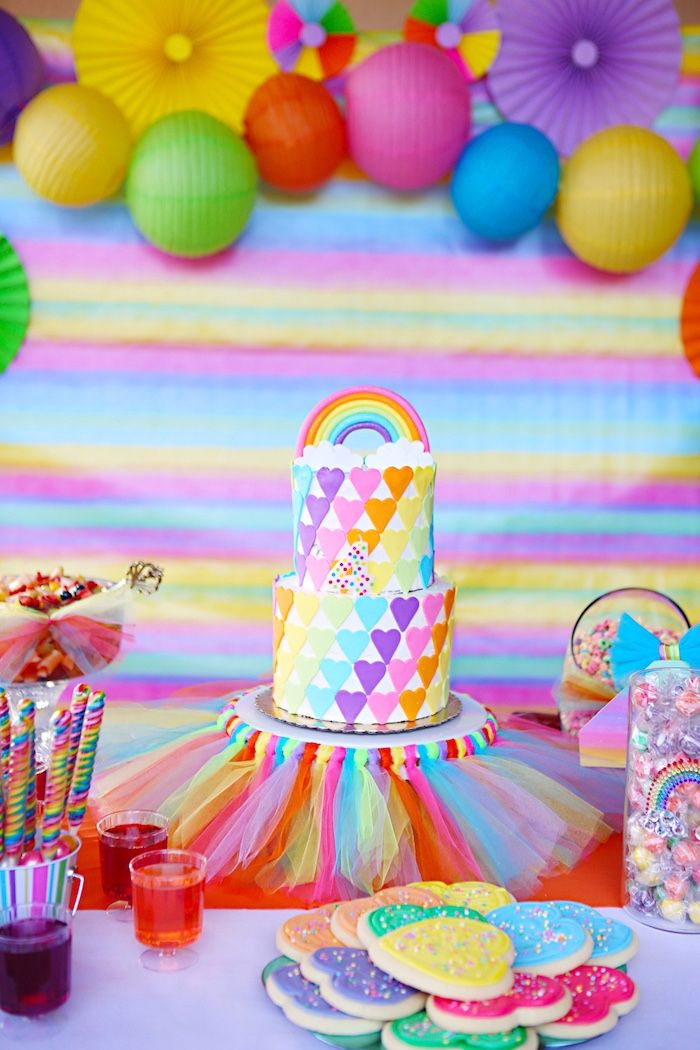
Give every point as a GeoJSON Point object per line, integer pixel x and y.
{"type": "Point", "coordinates": [573, 67]}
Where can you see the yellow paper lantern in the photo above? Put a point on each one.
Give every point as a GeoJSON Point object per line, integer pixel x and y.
{"type": "Point", "coordinates": [624, 198]}
{"type": "Point", "coordinates": [72, 145]}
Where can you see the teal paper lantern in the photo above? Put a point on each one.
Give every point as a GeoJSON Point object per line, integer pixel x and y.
{"type": "Point", "coordinates": [505, 181]}
{"type": "Point", "coordinates": [191, 185]}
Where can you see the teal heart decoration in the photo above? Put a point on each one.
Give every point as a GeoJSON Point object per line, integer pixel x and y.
{"type": "Point", "coordinates": [426, 570]}
{"type": "Point", "coordinates": [353, 643]}
{"type": "Point", "coordinates": [370, 610]}
{"type": "Point", "coordinates": [336, 673]}
{"type": "Point", "coordinates": [303, 476]}
{"type": "Point", "coordinates": [321, 699]}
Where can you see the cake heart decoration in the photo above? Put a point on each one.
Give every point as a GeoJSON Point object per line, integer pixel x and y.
{"type": "Point", "coordinates": [403, 610]}
{"type": "Point", "coordinates": [347, 978]}
{"type": "Point", "coordinates": [381, 572]}
{"type": "Point", "coordinates": [444, 661]}
{"type": "Point", "coordinates": [337, 608]}
{"type": "Point", "coordinates": [294, 695]}
{"type": "Point", "coordinates": [307, 668]}
{"type": "Point", "coordinates": [449, 601]}
{"type": "Point", "coordinates": [353, 643]}
{"type": "Point", "coordinates": [382, 705]}
{"type": "Point", "coordinates": [533, 1000]}
{"type": "Point", "coordinates": [302, 475]}
{"type": "Point", "coordinates": [297, 507]}
{"type": "Point", "coordinates": [411, 701]}
{"type": "Point", "coordinates": [277, 632]}
{"type": "Point", "coordinates": [350, 704]}
{"type": "Point", "coordinates": [434, 697]}
{"type": "Point", "coordinates": [318, 507]}
{"type": "Point", "coordinates": [380, 512]}
{"type": "Point", "coordinates": [320, 640]}
{"type": "Point", "coordinates": [348, 511]}
{"type": "Point", "coordinates": [397, 480]}
{"type": "Point", "coordinates": [330, 479]}
{"type": "Point", "coordinates": [419, 1033]}
{"type": "Point", "coordinates": [369, 675]}
{"type": "Point", "coordinates": [307, 534]}
{"type": "Point", "coordinates": [318, 570]}
{"type": "Point", "coordinates": [370, 609]}
{"type": "Point", "coordinates": [331, 541]}
{"type": "Point", "coordinates": [284, 662]}
{"type": "Point", "coordinates": [336, 672]}
{"type": "Point", "coordinates": [406, 574]}
{"type": "Point", "coordinates": [544, 941]}
{"type": "Point", "coordinates": [300, 566]}
{"type": "Point", "coordinates": [432, 606]}
{"type": "Point", "coordinates": [321, 699]}
{"type": "Point", "coordinates": [417, 638]}
{"type": "Point", "coordinates": [401, 672]}
{"type": "Point", "coordinates": [439, 634]}
{"type": "Point", "coordinates": [394, 542]}
{"type": "Point", "coordinates": [285, 598]}
{"type": "Point", "coordinates": [408, 510]}
{"type": "Point", "coordinates": [426, 570]}
{"type": "Point", "coordinates": [386, 643]}
{"type": "Point", "coordinates": [427, 666]}
{"type": "Point", "coordinates": [419, 539]}
{"type": "Point", "coordinates": [600, 994]}
{"type": "Point", "coordinates": [365, 481]}
{"type": "Point", "coordinates": [368, 536]}
{"type": "Point", "coordinates": [306, 605]}
{"type": "Point", "coordinates": [295, 635]}
{"type": "Point", "coordinates": [423, 479]}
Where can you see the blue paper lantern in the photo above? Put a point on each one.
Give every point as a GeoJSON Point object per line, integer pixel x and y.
{"type": "Point", "coordinates": [504, 181]}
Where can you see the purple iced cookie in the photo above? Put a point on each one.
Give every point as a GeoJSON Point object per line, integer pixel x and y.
{"type": "Point", "coordinates": [304, 1006]}
{"type": "Point", "coordinates": [349, 980]}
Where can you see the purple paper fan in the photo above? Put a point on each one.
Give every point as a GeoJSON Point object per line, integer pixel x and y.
{"type": "Point", "coordinates": [572, 67]}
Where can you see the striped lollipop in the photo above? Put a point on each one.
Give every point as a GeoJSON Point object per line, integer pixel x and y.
{"type": "Point", "coordinates": [78, 704]}
{"type": "Point", "coordinates": [85, 762]}
{"type": "Point", "coordinates": [466, 30]}
{"type": "Point", "coordinates": [56, 783]}
{"type": "Point", "coordinates": [27, 714]}
{"type": "Point", "coordinates": [16, 798]}
{"type": "Point", "coordinates": [5, 732]}
{"type": "Point", "coordinates": [313, 37]}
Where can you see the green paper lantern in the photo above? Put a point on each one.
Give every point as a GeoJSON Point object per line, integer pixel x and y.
{"type": "Point", "coordinates": [14, 303]}
{"type": "Point", "coordinates": [694, 168]}
{"type": "Point", "coordinates": [191, 185]}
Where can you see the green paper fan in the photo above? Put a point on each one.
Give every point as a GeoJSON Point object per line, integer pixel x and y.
{"type": "Point", "coordinates": [14, 303]}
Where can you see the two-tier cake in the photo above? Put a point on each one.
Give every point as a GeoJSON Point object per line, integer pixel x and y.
{"type": "Point", "coordinates": [362, 626]}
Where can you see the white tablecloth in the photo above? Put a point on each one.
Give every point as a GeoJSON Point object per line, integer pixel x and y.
{"type": "Point", "coordinates": [220, 1003]}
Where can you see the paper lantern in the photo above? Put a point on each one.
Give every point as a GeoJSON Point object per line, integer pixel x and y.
{"type": "Point", "coordinates": [408, 112]}
{"type": "Point", "coordinates": [690, 321]}
{"type": "Point", "coordinates": [625, 197]}
{"type": "Point", "coordinates": [21, 72]}
{"type": "Point", "coordinates": [694, 168]}
{"type": "Point", "coordinates": [191, 185]}
{"type": "Point", "coordinates": [158, 57]}
{"type": "Point", "coordinates": [296, 131]}
{"type": "Point", "coordinates": [72, 145]}
{"type": "Point", "coordinates": [504, 181]}
{"type": "Point", "coordinates": [14, 303]}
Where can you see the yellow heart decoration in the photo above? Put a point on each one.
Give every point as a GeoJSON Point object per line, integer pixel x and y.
{"type": "Point", "coordinates": [394, 542]}
{"type": "Point", "coordinates": [435, 699]}
{"type": "Point", "coordinates": [381, 572]}
{"type": "Point", "coordinates": [284, 662]}
{"type": "Point", "coordinates": [277, 633]}
{"type": "Point", "coordinates": [307, 667]}
{"type": "Point", "coordinates": [294, 696]}
{"type": "Point", "coordinates": [306, 605]}
{"type": "Point", "coordinates": [419, 540]}
{"type": "Point", "coordinates": [423, 479]}
{"type": "Point", "coordinates": [295, 635]}
{"type": "Point", "coordinates": [408, 510]}
{"type": "Point", "coordinates": [406, 573]}
{"type": "Point", "coordinates": [337, 608]}
{"type": "Point", "coordinates": [444, 661]}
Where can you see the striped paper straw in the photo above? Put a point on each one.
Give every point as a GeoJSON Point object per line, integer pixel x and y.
{"type": "Point", "coordinates": [27, 714]}
{"type": "Point", "coordinates": [81, 695]}
{"type": "Point", "coordinates": [56, 783]}
{"type": "Point", "coordinates": [85, 762]}
{"type": "Point", "coordinates": [16, 794]}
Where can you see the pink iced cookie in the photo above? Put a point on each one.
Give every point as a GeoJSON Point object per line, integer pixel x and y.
{"type": "Point", "coordinates": [302, 934]}
{"type": "Point", "coordinates": [600, 996]}
{"type": "Point", "coordinates": [532, 1001]}
{"type": "Point", "coordinates": [346, 916]}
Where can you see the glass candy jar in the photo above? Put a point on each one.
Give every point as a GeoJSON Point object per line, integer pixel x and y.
{"type": "Point", "coordinates": [661, 880]}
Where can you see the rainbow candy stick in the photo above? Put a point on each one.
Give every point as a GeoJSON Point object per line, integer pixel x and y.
{"type": "Point", "coordinates": [85, 763]}
{"type": "Point", "coordinates": [5, 734]}
{"type": "Point", "coordinates": [56, 783]}
{"type": "Point", "coordinates": [16, 794]}
{"type": "Point", "coordinates": [81, 695]}
{"type": "Point", "coordinates": [27, 714]}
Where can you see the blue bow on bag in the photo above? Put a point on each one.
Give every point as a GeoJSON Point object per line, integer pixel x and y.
{"type": "Point", "coordinates": [635, 648]}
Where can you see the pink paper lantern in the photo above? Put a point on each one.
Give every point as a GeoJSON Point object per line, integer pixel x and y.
{"type": "Point", "coordinates": [408, 113]}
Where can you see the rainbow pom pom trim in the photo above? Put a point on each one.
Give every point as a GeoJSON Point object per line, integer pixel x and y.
{"type": "Point", "coordinates": [361, 408]}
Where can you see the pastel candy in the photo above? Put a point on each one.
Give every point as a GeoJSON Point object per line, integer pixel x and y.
{"type": "Point", "coordinates": [420, 1032]}
{"type": "Point", "coordinates": [600, 996]}
{"type": "Point", "coordinates": [533, 999]}
{"type": "Point", "coordinates": [347, 915]}
{"type": "Point", "coordinates": [303, 934]}
{"type": "Point", "coordinates": [614, 943]}
{"type": "Point", "coordinates": [304, 1006]}
{"type": "Point", "coordinates": [482, 896]}
{"type": "Point", "coordinates": [544, 940]}
{"type": "Point", "coordinates": [349, 980]}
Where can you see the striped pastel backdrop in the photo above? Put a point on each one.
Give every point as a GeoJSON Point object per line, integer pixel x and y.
{"type": "Point", "coordinates": [153, 410]}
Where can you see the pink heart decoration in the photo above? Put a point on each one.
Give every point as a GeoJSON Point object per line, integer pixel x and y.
{"type": "Point", "coordinates": [331, 540]}
{"type": "Point", "coordinates": [365, 481]}
{"type": "Point", "coordinates": [417, 638]}
{"type": "Point", "coordinates": [318, 569]}
{"type": "Point", "coordinates": [401, 672]}
{"type": "Point", "coordinates": [382, 705]}
{"type": "Point", "coordinates": [348, 511]}
{"type": "Point", "coordinates": [432, 606]}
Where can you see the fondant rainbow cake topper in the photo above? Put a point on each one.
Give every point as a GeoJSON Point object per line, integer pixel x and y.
{"type": "Point", "coordinates": [361, 408]}
{"type": "Point", "coordinates": [671, 779]}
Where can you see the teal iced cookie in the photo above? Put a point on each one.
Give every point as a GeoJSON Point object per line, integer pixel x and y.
{"type": "Point", "coordinates": [419, 1033]}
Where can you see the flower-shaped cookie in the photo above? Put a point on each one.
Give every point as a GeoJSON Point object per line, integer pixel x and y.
{"type": "Point", "coordinates": [614, 944]}
{"type": "Point", "coordinates": [419, 1033]}
{"type": "Point", "coordinates": [533, 1000]}
{"type": "Point", "coordinates": [544, 940]}
{"type": "Point", "coordinates": [346, 916]}
{"type": "Point", "coordinates": [304, 1006]}
{"type": "Point", "coordinates": [601, 995]}
{"type": "Point", "coordinates": [349, 980]}
{"type": "Point", "coordinates": [302, 934]}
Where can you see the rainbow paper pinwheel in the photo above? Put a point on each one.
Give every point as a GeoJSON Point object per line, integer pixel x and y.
{"type": "Point", "coordinates": [312, 37]}
{"type": "Point", "coordinates": [466, 30]}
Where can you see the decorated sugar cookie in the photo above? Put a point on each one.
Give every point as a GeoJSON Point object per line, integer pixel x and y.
{"type": "Point", "coordinates": [482, 896]}
{"type": "Point", "coordinates": [533, 1000]}
{"type": "Point", "coordinates": [601, 995]}
{"type": "Point", "coordinates": [446, 950]}
{"type": "Point", "coordinates": [419, 1033]}
{"type": "Point", "coordinates": [349, 980]}
{"type": "Point", "coordinates": [614, 944]}
{"type": "Point", "coordinates": [303, 1005]}
{"type": "Point", "coordinates": [544, 940]}
{"type": "Point", "coordinates": [304, 933]}
{"type": "Point", "coordinates": [346, 916]}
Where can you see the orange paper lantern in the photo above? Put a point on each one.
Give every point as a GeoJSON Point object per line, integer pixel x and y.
{"type": "Point", "coordinates": [690, 321]}
{"type": "Point", "coordinates": [296, 131]}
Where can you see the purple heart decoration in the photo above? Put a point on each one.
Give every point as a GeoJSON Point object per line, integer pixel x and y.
{"type": "Point", "coordinates": [404, 609]}
{"type": "Point", "coordinates": [386, 644]}
{"type": "Point", "coordinates": [330, 480]}
{"type": "Point", "coordinates": [350, 704]}
{"type": "Point", "coordinates": [369, 674]}
{"type": "Point", "coordinates": [308, 537]}
{"type": "Point", "coordinates": [318, 508]}
{"type": "Point", "coordinates": [300, 566]}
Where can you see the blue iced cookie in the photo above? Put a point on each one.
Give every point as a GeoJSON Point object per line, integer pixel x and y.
{"type": "Point", "coordinates": [545, 941]}
{"type": "Point", "coordinates": [614, 944]}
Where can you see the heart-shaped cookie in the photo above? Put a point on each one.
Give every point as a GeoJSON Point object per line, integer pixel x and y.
{"type": "Point", "coordinates": [481, 896]}
{"type": "Point", "coordinates": [304, 1006]}
{"type": "Point", "coordinates": [419, 1033]}
{"type": "Point", "coordinates": [614, 944]}
{"type": "Point", "coordinates": [346, 916]}
{"type": "Point", "coordinates": [544, 940]}
{"type": "Point", "coordinates": [348, 979]}
{"type": "Point", "coordinates": [533, 1000]}
{"type": "Point", "coordinates": [601, 995]}
{"type": "Point", "coordinates": [304, 933]}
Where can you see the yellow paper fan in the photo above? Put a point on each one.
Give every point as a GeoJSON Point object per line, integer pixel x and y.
{"type": "Point", "coordinates": [164, 56]}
